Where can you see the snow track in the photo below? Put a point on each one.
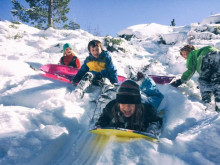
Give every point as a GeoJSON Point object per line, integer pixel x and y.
{"type": "Point", "coordinates": [83, 149]}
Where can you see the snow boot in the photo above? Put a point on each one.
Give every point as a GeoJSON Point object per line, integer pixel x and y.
{"type": "Point", "coordinates": [208, 106]}
{"type": "Point", "coordinates": [217, 106]}
{"type": "Point", "coordinates": [84, 83]}
{"type": "Point", "coordinates": [132, 74]}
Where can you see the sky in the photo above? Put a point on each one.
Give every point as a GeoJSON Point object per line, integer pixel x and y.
{"type": "Point", "coordinates": [108, 17]}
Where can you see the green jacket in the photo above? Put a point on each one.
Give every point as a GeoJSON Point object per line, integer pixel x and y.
{"type": "Point", "coordinates": [194, 60]}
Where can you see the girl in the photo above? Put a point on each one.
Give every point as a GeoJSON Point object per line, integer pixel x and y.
{"type": "Point", "coordinates": [127, 111]}
{"type": "Point", "coordinates": [69, 58]}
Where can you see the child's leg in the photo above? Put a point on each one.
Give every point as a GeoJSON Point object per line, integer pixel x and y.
{"type": "Point", "coordinates": [132, 74]}
{"type": "Point", "coordinates": [217, 97]}
{"type": "Point", "coordinates": [84, 83]}
{"type": "Point", "coordinates": [108, 94]}
{"type": "Point", "coordinates": [206, 96]}
{"type": "Point", "coordinates": [205, 84]}
{"type": "Point", "coordinates": [153, 95]}
{"type": "Point", "coordinates": [216, 80]}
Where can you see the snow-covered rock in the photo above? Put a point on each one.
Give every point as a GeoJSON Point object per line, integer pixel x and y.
{"type": "Point", "coordinates": [212, 19]}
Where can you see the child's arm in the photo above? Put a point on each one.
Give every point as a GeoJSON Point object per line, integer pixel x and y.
{"type": "Point", "coordinates": [191, 67]}
{"type": "Point", "coordinates": [81, 72]}
{"type": "Point", "coordinates": [111, 71]}
{"type": "Point", "coordinates": [78, 65]}
{"type": "Point", "coordinates": [61, 61]}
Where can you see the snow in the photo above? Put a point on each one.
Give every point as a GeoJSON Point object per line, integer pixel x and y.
{"type": "Point", "coordinates": [42, 122]}
{"type": "Point", "coordinates": [212, 19]}
{"type": "Point", "coordinates": [146, 30]}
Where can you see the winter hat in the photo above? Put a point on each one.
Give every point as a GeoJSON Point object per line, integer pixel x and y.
{"type": "Point", "coordinates": [67, 45]}
{"type": "Point", "coordinates": [129, 93]}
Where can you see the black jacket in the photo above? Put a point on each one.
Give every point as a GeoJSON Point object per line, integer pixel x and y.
{"type": "Point", "coordinates": [148, 116]}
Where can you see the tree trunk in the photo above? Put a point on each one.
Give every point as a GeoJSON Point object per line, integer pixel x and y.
{"type": "Point", "coordinates": [50, 9]}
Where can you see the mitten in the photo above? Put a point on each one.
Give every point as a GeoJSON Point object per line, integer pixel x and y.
{"type": "Point", "coordinates": [176, 83]}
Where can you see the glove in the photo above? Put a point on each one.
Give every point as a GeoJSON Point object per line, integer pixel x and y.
{"type": "Point", "coordinates": [98, 127]}
{"type": "Point", "coordinates": [75, 80]}
{"type": "Point", "coordinates": [176, 83]}
{"type": "Point", "coordinates": [140, 76]}
{"type": "Point", "coordinates": [97, 75]}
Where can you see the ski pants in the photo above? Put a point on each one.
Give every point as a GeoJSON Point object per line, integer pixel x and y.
{"type": "Point", "coordinates": [209, 80]}
{"type": "Point", "coordinates": [152, 93]}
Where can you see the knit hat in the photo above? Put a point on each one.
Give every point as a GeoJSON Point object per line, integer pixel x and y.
{"type": "Point", "coordinates": [67, 45]}
{"type": "Point", "coordinates": [129, 93]}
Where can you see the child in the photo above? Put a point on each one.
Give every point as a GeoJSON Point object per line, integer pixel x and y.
{"type": "Point", "coordinates": [150, 93]}
{"type": "Point", "coordinates": [127, 111]}
{"type": "Point", "coordinates": [96, 66]}
{"type": "Point", "coordinates": [206, 62]}
{"type": "Point", "coordinates": [69, 58]}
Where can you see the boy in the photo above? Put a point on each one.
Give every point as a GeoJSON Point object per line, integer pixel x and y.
{"type": "Point", "coordinates": [206, 62]}
{"type": "Point", "coordinates": [96, 66]}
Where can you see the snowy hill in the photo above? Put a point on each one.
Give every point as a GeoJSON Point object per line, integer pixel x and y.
{"type": "Point", "coordinates": [42, 122]}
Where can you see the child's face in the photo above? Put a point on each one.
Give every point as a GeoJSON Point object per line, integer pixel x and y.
{"type": "Point", "coordinates": [95, 51]}
{"type": "Point", "coordinates": [184, 54]}
{"type": "Point", "coordinates": [68, 51]}
{"type": "Point", "coordinates": [127, 109]}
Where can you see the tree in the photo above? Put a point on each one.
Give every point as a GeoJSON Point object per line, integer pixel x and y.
{"type": "Point", "coordinates": [72, 26]}
{"type": "Point", "coordinates": [94, 31]}
{"type": "Point", "coordinates": [42, 13]}
{"type": "Point", "coordinates": [173, 23]}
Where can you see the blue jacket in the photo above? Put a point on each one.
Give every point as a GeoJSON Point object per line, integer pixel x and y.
{"type": "Point", "coordinates": [154, 96]}
{"type": "Point", "coordinates": [103, 64]}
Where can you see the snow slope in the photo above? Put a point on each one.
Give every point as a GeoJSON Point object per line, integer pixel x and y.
{"type": "Point", "coordinates": [42, 122]}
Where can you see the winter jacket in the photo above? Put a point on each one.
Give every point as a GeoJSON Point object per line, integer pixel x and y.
{"type": "Point", "coordinates": [149, 116]}
{"type": "Point", "coordinates": [103, 64]}
{"type": "Point", "coordinates": [70, 61]}
{"type": "Point", "coordinates": [152, 93]}
{"type": "Point", "coordinates": [194, 61]}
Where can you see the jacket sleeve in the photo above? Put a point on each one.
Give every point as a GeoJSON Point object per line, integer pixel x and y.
{"type": "Point", "coordinates": [82, 71]}
{"type": "Point", "coordinates": [61, 61]}
{"type": "Point", "coordinates": [78, 65]}
{"type": "Point", "coordinates": [111, 71]}
{"type": "Point", "coordinates": [106, 117]}
{"type": "Point", "coordinates": [191, 67]}
{"type": "Point", "coordinates": [152, 93]}
{"type": "Point", "coordinates": [151, 117]}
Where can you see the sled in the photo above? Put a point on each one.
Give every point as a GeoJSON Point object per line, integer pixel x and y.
{"type": "Point", "coordinates": [124, 133]}
{"type": "Point", "coordinates": [161, 79]}
{"type": "Point", "coordinates": [66, 73]}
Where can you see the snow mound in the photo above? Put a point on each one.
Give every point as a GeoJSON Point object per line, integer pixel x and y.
{"type": "Point", "coordinates": [213, 19]}
{"type": "Point", "coordinates": [146, 30]}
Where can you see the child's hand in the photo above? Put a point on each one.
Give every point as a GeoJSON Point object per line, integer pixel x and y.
{"type": "Point", "coordinates": [98, 127]}
{"type": "Point", "coordinates": [176, 83]}
{"type": "Point", "coordinates": [97, 75]}
{"type": "Point", "coordinates": [75, 80]}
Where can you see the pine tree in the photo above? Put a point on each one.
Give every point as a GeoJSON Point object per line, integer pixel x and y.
{"type": "Point", "coordinates": [72, 26]}
{"type": "Point", "coordinates": [42, 13]}
{"type": "Point", "coordinates": [173, 23]}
